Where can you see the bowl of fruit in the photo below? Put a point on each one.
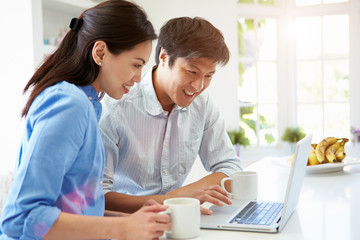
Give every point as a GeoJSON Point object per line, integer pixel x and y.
{"type": "Point", "coordinates": [328, 156]}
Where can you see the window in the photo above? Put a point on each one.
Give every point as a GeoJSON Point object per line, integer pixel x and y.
{"type": "Point", "coordinates": [317, 2]}
{"type": "Point", "coordinates": [261, 2]}
{"type": "Point", "coordinates": [258, 78]}
{"type": "Point", "coordinates": [322, 74]}
{"type": "Point", "coordinates": [310, 54]}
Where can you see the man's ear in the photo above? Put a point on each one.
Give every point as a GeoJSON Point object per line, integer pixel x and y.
{"type": "Point", "coordinates": [163, 57]}
{"type": "Point", "coordinates": [98, 52]}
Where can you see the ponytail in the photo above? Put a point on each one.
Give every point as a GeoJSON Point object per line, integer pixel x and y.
{"type": "Point", "coordinates": [119, 23]}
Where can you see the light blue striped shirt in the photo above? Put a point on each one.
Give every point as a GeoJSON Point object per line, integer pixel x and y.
{"type": "Point", "coordinates": [148, 151]}
{"type": "Point", "coordinates": [60, 165]}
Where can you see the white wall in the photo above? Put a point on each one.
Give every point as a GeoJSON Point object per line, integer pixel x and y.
{"type": "Point", "coordinates": [22, 33]}
{"type": "Point", "coordinates": [222, 14]}
{"type": "Point", "coordinates": [16, 67]}
{"type": "Point", "coordinates": [354, 65]}
{"type": "Point", "coordinates": [57, 17]}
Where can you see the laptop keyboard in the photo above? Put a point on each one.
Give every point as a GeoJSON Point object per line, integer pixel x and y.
{"type": "Point", "coordinates": [258, 213]}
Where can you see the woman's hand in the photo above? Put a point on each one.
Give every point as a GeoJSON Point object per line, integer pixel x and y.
{"type": "Point", "coordinates": [147, 223]}
{"type": "Point", "coordinates": [151, 202]}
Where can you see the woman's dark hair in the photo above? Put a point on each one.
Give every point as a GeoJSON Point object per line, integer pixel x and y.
{"type": "Point", "coordinates": [191, 38]}
{"type": "Point", "coordinates": [119, 23]}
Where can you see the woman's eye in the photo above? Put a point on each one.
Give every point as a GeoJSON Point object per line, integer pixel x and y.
{"type": "Point", "coordinates": [192, 72]}
{"type": "Point", "coordinates": [138, 66]}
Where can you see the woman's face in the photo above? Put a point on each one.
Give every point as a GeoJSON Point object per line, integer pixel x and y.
{"type": "Point", "coordinates": [118, 73]}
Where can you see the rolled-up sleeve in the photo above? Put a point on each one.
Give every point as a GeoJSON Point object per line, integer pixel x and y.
{"type": "Point", "coordinates": [216, 151]}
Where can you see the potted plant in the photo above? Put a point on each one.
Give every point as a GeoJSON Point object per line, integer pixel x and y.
{"type": "Point", "coordinates": [238, 138]}
{"type": "Point", "coordinates": [292, 135]}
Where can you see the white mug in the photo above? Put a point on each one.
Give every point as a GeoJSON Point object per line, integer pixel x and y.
{"type": "Point", "coordinates": [185, 217]}
{"type": "Point", "coordinates": [244, 185]}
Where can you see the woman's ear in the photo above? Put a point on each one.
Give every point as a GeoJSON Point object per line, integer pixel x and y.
{"type": "Point", "coordinates": [98, 52]}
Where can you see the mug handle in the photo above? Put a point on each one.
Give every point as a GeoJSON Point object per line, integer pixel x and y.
{"type": "Point", "coordinates": [223, 186]}
{"type": "Point", "coordinates": [168, 212]}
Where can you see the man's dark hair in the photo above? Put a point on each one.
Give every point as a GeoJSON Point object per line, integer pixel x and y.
{"type": "Point", "coordinates": [191, 38]}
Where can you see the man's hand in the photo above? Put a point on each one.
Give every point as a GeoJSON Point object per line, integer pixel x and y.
{"type": "Point", "coordinates": [213, 194]}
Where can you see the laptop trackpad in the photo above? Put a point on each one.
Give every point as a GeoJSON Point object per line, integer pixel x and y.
{"type": "Point", "coordinates": [222, 214]}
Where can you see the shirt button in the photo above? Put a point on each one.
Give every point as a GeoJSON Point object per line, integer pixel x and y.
{"type": "Point", "coordinates": [101, 182]}
{"type": "Point", "coordinates": [165, 171]}
{"type": "Point", "coordinates": [165, 144]}
{"type": "Point", "coordinates": [90, 98]}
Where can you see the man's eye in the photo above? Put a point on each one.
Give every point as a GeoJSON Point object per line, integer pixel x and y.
{"type": "Point", "coordinates": [138, 66]}
{"type": "Point", "coordinates": [192, 72]}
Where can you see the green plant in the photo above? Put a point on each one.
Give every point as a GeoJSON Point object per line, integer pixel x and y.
{"type": "Point", "coordinates": [248, 119]}
{"type": "Point", "coordinates": [237, 136]}
{"type": "Point", "coordinates": [293, 134]}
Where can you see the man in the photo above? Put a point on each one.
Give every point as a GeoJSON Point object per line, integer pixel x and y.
{"type": "Point", "coordinates": [153, 135]}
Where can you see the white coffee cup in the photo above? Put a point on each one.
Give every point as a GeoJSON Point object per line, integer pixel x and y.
{"type": "Point", "coordinates": [244, 185]}
{"type": "Point", "coordinates": [185, 217]}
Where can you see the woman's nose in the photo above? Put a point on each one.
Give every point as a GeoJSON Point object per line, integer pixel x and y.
{"type": "Point", "coordinates": [137, 77]}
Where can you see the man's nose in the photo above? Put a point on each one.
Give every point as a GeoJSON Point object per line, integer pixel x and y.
{"type": "Point", "coordinates": [198, 84]}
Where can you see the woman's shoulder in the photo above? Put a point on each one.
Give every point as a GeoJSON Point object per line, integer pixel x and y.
{"type": "Point", "coordinates": [65, 90]}
{"type": "Point", "coordinates": [62, 95]}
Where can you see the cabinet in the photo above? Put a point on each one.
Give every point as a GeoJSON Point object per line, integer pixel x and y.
{"type": "Point", "coordinates": [54, 21]}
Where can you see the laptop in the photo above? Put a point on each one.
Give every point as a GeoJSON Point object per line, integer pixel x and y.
{"type": "Point", "coordinates": [263, 216]}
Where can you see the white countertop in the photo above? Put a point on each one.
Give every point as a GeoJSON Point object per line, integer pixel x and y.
{"type": "Point", "coordinates": [329, 205]}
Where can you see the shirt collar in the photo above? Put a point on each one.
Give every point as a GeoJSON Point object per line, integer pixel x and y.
{"type": "Point", "coordinates": [150, 100]}
{"type": "Point", "coordinates": [92, 95]}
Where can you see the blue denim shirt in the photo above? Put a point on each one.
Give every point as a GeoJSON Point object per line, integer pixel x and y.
{"type": "Point", "coordinates": [60, 163]}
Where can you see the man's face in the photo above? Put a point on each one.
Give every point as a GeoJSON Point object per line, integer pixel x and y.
{"type": "Point", "coordinates": [184, 81]}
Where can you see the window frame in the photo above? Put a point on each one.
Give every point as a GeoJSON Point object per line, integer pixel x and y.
{"type": "Point", "coordinates": [285, 14]}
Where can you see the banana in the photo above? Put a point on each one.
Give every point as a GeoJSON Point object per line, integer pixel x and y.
{"type": "Point", "coordinates": [321, 148]}
{"type": "Point", "coordinates": [340, 152]}
{"type": "Point", "coordinates": [330, 152]}
{"type": "Point", "coordinates": [313, 145]}
{"type": "Point", "coordinates": [312, 160]}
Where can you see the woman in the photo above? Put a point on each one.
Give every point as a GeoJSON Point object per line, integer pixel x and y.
{"type": "Point", "coordinates": [57, 190]}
